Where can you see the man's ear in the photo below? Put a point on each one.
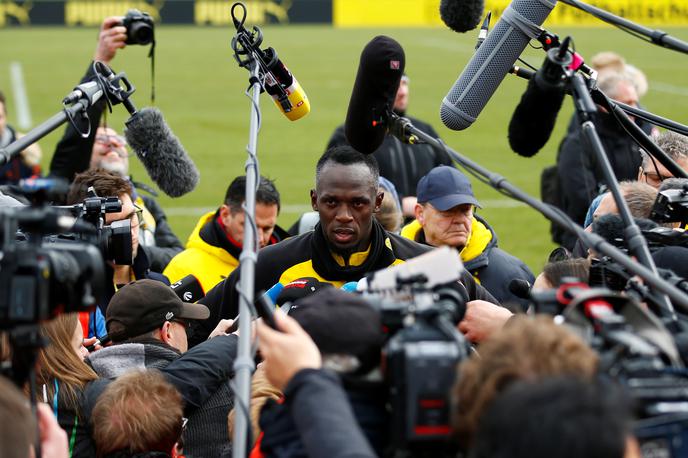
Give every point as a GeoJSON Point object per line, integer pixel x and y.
{"type": "Point", "coordinates": [224, 212]}
{"type": "Point", "coordinates": [418, 213]}
{"type": "Point", "coordinates": [314, 200]}
{"type": "Point", "coordinates": [166, 332]}
{"type": "Point", "coordinates": [378, 201]}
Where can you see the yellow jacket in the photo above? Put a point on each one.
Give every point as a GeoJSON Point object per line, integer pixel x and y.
{"type": "Point", "coordinates": [209, 264]}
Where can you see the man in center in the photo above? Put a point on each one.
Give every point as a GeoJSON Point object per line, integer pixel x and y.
{"type": "Point", "coordinates": [346, 244]}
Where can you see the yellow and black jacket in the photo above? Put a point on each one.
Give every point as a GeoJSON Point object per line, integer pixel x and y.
{"type": "Point", "coordinates": [209, 255]}
{"type": "Point", "coordinates": [309, 255]}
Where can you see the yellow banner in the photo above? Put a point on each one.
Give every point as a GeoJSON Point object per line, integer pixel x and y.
{"type": "Point", "coordinates": [424, 13]}
{"type": "Point", "coordinates": [217, 12]}
{"type": "Point", "coordinates": [92, 13]}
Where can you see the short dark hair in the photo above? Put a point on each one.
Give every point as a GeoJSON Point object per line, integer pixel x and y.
{"type": "Point", "coordinates": [17, 435]}
{"type": "Point", "coordinates": [564, 417]}
{"type": "Point", "coordinates": [346, 155]}
{"type": "Point", "coordinates": [555, 271]}
{"type": "Point", "coordinates": [266, 193]}
{"type": "Point", "coordinates": [3, 100]}
{"type": "Point", "coordinates": [106, 184]}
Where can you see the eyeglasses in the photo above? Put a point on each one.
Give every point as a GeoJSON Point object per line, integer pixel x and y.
{"type": "Point", "coordinates": [118, 143]}
{"type": "Point", "coordinates": [138, 212]}
{"type": "Point", "coordinates": [186, 324]}
{"type": "Point", "coordinates": [653, 178]}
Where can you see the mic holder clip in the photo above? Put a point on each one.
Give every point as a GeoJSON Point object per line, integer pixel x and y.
{"type": "Point", "coordinates": [402, 128]}
{"type": "Point", "coordinates": [246, 46]}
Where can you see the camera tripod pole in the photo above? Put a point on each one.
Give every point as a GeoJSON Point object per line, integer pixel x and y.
{"type": "Point", "coordinates": [403, 129]}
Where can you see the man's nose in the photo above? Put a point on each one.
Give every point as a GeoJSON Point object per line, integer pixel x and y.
{"type": "Point", "coordinates": [344, 213]}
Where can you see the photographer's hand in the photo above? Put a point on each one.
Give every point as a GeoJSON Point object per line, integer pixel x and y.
{"type": "Point", "coordinates": [113, 36]}
{"type": "Point", "coordinates": [286, 352]}
{"type": "Point", "coordinates": [482, 320]}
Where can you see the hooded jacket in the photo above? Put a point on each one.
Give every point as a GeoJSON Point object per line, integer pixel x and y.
{"type": "Point", "coordinates": [209, 255]}
{"type": "Point", "coordinates": [206, 434]}
{"type": "Point", "coordinates": [490, 266]}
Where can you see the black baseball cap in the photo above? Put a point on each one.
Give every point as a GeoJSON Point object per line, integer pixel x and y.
{"type": "Point", "coordinates": [341, 322]}
{"type": "Point", "coordinates": [144, 305]}
{"type": "Point", "coordinates": [445, 187]}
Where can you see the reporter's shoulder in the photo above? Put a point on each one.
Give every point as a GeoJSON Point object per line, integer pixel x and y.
{"type": "Point", "coordinates": [406, 248]}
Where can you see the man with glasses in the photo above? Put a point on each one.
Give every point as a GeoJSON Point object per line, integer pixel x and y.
{"type": "Point", "coordinates": [652, 171]}
{"type": "Point", "coordinates": [105, 148]}
{"type": "Point", "coordinates": [107, 184]}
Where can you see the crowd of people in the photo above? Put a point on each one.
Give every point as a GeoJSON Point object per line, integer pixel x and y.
{"type": "Point", "coordinates": [147, 373]}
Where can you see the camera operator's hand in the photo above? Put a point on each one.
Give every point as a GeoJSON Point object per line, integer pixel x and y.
{"type": "Point", "coordinates": [113, 36]}
{"type": "Point", "coordinates": [482, 320]}
{"type": "Point", "coordinates": [286, 352]}
{"type": "Point", "coordinates": [221, 328]}
{"type": "Point", "coordinates": [54, 442]}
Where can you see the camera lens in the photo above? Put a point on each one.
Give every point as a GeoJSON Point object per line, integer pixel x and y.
{"type": "Point", "coordinates": [141, 33]}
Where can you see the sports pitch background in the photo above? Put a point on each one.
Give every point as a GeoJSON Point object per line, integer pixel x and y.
{"type": "Point", "coordinates": [200, 90]}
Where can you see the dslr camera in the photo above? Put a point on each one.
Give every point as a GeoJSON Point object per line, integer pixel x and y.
{"type": "Point", "coordinates": [140, 27]}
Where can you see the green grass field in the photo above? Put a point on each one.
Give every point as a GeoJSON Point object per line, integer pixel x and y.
{"type": "Point", "coordinates": [200, 89]}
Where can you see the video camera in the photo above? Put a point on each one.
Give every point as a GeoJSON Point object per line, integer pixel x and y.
{"type": "Point", "coordinates": [671, 206]}
{"type": "Point", "coordinates": [419, 313]}
{"type": "Point", "coordinates": [113, 240]}
{"type": "Point", "coordinates": [636, 351]}
{"type": "Point", "coordinates": [39, 278]}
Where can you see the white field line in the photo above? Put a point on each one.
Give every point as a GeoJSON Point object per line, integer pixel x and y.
{"type": "Point", "coordinates": [21, 99]}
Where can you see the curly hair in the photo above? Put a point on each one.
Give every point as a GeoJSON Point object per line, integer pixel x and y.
{"type": "Point", "coordinates": [526, 349]}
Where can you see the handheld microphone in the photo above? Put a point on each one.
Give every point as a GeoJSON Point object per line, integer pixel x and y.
{"type": "Point", "coordinates": [285, 90]}
{"type": "Point", "coordinates": [188, 289]}
{"type": "Point", "coordinates": [350, 287]}
{"type": "Point", "coordinates": [520, 288]}
{"type": "Point", "coordinates": [274, 292]}
{"type": "Point", "coordinates": [280, 82]}
{"type": "Point", "coordinates": [372, 98]}
{"type": "Point", "coordinates": [161, 152]}
{"type": "Point", "coordinates": [461, 15]}
{"type": "Point", "coordinates": [519, 23]}
{"type": "Point", "coordinates": [300, 288]}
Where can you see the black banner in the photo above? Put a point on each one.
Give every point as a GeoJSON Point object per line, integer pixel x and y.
{"type": "Point", "coordinates": [200, 12]}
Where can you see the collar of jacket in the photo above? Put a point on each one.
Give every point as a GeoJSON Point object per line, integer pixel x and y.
{"type": "Point", "coordinates": [380, 255]}
{"type": "Point", "coordinates": [479, 242]}
{"type": "Point", "coordinates": [117, 359]}
{"type": "Point", "coordinates": [208, 236]}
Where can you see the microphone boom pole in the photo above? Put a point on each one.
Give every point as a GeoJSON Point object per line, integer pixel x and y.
{"type": "Point", "coordinates": [501, 184]}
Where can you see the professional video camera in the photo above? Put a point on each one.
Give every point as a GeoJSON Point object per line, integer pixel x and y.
{"type": "Point", "coordinates": [140, 27]}
{"type": "Point", "coordinates": [637, 351]}
{"type": "Point", "coordinates": [671, 206]}
{"type": "Point", "coordinates": [40, 279]}
{"type": "Point", "coordinates": [420, 311]}
{"type": "Point", "coordinates": [114, 240]}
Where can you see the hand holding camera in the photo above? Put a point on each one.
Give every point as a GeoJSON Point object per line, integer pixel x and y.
{"type": "Point", "coordinates": [136, 28]}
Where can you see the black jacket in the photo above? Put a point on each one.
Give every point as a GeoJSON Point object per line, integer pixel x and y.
{"type": "Point", "coordinates": [323, 417]}
{"type": "Point", "coordinates": [404, 165]}
{"type": "Point", "coordinates": [580, 174]}
{"type": "Point", "coordinates": [201, 375]}
{"type": "Point", "coordinates": [308, 255]}
{"type": "Point", "coordinates": [73, 155]}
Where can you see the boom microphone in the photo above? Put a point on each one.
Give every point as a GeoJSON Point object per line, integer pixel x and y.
{"type": "Point", "coordinates": [372, 98]}
{"type": "Point", "coordinates": [461, 15]}
{"type": "Point", "coordinates": [161, 153]}
{"type": "Point", "coordinates": [535, 115]}
{"type": "Point", "coordinates": [519, 23]}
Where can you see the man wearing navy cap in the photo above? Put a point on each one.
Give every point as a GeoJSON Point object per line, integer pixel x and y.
{"type": "Point", "coordinates": [444, 216]}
